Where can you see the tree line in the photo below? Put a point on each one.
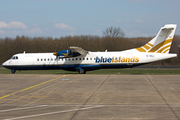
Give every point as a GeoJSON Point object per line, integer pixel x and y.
{"type": "Point", "coordinates": [11, 46]}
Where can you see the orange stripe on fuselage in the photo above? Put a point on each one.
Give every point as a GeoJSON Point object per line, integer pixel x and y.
{"type": "Point", "coordinates": [146, 47]}
{"type": "Point", "coordinates": [150, 44]}
{"type": "Point", "coordinates": [140, 49]}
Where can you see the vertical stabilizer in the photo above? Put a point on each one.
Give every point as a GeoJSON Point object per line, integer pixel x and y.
{"type": "Point", "coordinates": [162, 42]}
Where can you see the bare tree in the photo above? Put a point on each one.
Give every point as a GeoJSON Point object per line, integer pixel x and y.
{"type": "Point", "coordinates": [114, 32]}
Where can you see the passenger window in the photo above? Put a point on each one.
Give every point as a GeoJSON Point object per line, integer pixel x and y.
{"type": "Point", "coordinates": [37, 59]}
{"type": "Point", "coordinates": [86, 58]}
{"type": "Point", "coordinates": [41, 59]}
{"type": "Point", "coordinates": [76, 58]}
{"type": "Point", "coordinates": [79, 58]}
{"type": "Point", "coordinates": [91, 58]}
{"type": "Point", "coordinates": [16, 57]}
{"type": "Point", "coordinates": [44, 59]}
{"type": "Point", "coordinates": [83, 58]}
{"type": "Point", "coordinates": [72, 58]}
{"type": "Point", "coordinates": [48, 59]}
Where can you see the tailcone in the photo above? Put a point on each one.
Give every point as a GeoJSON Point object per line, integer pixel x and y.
{"type": "Point", "coordinates": [167, 56]}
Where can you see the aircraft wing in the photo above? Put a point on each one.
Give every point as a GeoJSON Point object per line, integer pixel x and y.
{"type": "Point", "coordinates": [78, 50]}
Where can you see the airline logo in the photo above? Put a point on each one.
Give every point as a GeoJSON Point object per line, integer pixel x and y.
{"type": "Point", "coordinates": [162, 47]}
{"type": "Point", "coordinates": [117, 60]}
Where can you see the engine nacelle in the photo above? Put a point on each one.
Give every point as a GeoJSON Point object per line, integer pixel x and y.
{"type": "Point", "coordinates": [66, 53]}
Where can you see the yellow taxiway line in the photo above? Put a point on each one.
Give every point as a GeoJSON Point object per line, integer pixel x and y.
{"type": "Point", "coordinates": [31, 87]}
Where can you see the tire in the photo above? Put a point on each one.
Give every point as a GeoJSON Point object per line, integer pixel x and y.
{"type": "Point", "coordinates": [82, 71]}
{"type": "Point", "coordinates": [13, 71]}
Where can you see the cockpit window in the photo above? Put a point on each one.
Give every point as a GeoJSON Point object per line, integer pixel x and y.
{"type": "Point", "coordinates": [14, 57]}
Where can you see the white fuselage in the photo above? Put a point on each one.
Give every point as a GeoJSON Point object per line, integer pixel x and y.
{"type": "Point", "coordinates": [76, 58]}
{"type": "Point", "coordinates": [92, 61]}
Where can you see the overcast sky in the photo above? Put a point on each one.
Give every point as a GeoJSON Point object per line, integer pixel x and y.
{"type": "Point", "coordinates": [57, 18]}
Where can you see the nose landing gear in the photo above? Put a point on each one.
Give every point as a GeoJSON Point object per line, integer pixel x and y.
{"type": "Point", "coordinates": [13, 71]}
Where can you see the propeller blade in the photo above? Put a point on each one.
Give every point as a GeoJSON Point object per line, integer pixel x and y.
{"type": "Point", "coordinates": [55, 53]}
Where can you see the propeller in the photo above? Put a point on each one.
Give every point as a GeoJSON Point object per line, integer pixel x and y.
{"type": "Point", "coordinates": [62, 53]}
{"type": "Point", "coordinates": [56, 52]}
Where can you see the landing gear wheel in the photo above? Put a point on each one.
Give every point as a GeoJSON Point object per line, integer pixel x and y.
{"type": "Point", "coordinates": [13, 71]}
{"type": "Point", "coordinates": [82, 71]}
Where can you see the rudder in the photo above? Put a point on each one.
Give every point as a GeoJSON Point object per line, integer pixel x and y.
{"type": "Point", "coordinates": [162, 42]}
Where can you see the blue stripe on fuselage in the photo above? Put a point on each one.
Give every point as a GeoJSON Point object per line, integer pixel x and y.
{"type": "Point", "coordinates": [45, 67]}
{"type": "Point", "coordinates": [86, 67]}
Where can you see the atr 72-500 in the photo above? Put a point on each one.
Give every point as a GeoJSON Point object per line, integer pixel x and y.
{"type": "Point", "coordinates": [78, 59]}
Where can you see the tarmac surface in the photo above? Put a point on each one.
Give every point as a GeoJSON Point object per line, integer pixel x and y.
{"type": "Point", "coordinates": [89, 97]}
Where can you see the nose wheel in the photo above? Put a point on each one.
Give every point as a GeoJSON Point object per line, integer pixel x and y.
{"type": "Point", "coordinates": [13, 71]}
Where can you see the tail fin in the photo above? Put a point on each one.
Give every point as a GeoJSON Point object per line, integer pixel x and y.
{"type": "Point", "coordinates": [162, 42]}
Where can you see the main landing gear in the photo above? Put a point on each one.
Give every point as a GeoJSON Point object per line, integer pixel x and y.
{"type": "Point", "coordinates": [81, 71]}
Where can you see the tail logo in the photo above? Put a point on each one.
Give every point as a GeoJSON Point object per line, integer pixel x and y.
{"type": "Point", "coordinates": [162, 47]}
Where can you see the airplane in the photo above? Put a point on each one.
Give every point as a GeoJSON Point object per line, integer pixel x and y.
{"type": "Point", "coordinates": [78, 59]}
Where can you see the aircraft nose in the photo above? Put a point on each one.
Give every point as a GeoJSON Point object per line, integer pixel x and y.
{"type": "Point", "coordinates": [4, 64]}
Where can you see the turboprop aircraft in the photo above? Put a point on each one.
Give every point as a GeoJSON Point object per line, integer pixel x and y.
{"type": "Point", "coordinates": [78, 59]}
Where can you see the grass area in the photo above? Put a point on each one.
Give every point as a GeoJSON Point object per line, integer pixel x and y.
{"type": "Point", "coordinates": [101, 71]}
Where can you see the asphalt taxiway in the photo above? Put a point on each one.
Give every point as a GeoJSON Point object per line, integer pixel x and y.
{"type": "Point", "coordinates": [89, 97]}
